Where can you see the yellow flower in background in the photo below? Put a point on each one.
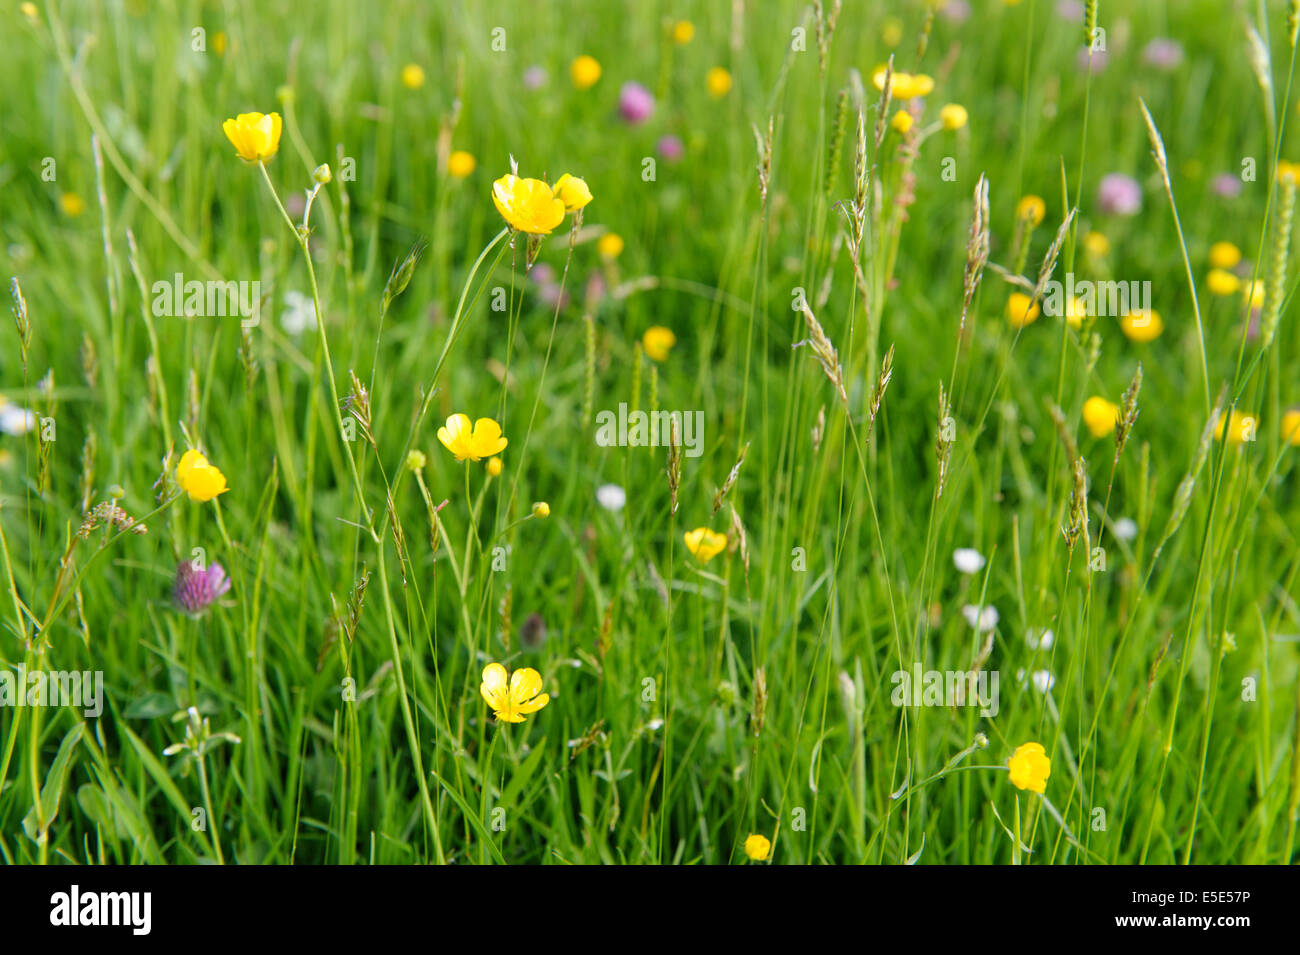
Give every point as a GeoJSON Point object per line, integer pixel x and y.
{"type": "Point", "coordinates": [1241, 428]}
{"type": "Point", "coordinates": [29, 10]}
{"type": "Point", "coordinates": [1030, 767]}
{"type": "Point", "coordinates": [718, 81]}
{"type": "Point", "coordinates": [1020, 310]}
{"type": "Point", "coordinates": [481, 440]}
{"type": "Point", "coordinates": [412, 76]}
{"type": "Point", "coordinates": [585, 72]}
{"type": "Point", "coordinates": [494, 466]}
{"type": "Point", "coordinates": [220, 42]}
{"type": "Point", "coordinates": [1291, 426]}
{"type": "Point", "coordinates": [72, 204]}
{"type": "Point", "coordinates": [901, 122]}
{"type": "Point", "coordinates": [1144, 325]}
{"type": "Point", "coordinates": [1255, 291]}
{"type": "Point", "coordinates": [573, 192]}
{"type": "Point", "coordinates": [529, 205]}
{"type": "Point", "coordinates": [512, 696]}
{"type": "Point", "coordinates": [1096, 244]}
{"type": "Point", "coordinates": [1075, 312]}
{"type": "Point", "coordinates": [199, 479]}
{"type": "Point", "coordinates": [683, 32]}
{"type": "Point", "coordinates": [903, 86]}
{"type": "Point", "coordinates": [705, 544]}
{"type": "Point", "coordinates": [1224, 255]}
{"type": "Point", "coordinates": [892, 31]}
{"type": "Point", "coordinates": [541, 510]}
{"type": "Point", "coordinates": [1288, 170]}
{"type": "Point", "coordinates": [658, 341]}
{"type": "Point", "coordinates": [1222, 282]}
{"type": "Point", "coordinates": [1100, 416]}
{"type": "Point", "coordinates": [460, 164]}
{"type": "Point", "coordinates": [255, 136]}
{"type": "Point", "coordinates": [1031, 208]}
{"type": "Point", "coordinates": [757, 847]}
{"type": "Point", "coordinates": [610, 246]}
{"type": "Point", "coordinates": [953, 116]}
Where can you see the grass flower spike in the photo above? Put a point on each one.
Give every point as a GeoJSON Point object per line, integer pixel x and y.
{"type": "Point", "coordinates": [474, 442]}
{"type": "Point", "coordinates": [199, 479]}
{"type": "Point", "coordinates": [529, 205]}
{"type": "Point", "coordinates": [514, 697]}
{"type": "Point", "coordinates": [1030, 767]}
{"type": "Point", "coordinates": [255, 136]}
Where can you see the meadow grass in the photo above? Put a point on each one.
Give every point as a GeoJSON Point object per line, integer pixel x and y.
{"type": "Point", "coordinates": [838, 291]}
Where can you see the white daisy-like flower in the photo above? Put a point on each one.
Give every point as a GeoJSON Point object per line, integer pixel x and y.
{"type": "Point", "coordinates": [1043, 680]}
{"type": "Point", "coordinates": [611, 497]}
{"type": "Point", "coordinates": [968, 560]}
{"type": "Point", "coordinates": [1039, 639]}
{"type": "Point", "coordinates": [299, 313]}
{"type": "Point", "coordinates": [982, 619]}
{"type": "Point", "coordinates": [16, 420]}
{"type": "Point", "coordinates": [1126, 528]}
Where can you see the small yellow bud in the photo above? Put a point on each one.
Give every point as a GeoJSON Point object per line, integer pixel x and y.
{"type": "Point", "coordinates": [494, 467]}
{"type": "Point", "coordinates": [541, 509]}
{"type": "Point", "coordinates": [416, 460]}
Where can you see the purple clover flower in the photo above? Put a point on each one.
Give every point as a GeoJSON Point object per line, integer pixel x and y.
{"type": "Point", "coordinates": [196, 590]}
{"type": "Point", "coordinates": [635, 103]}
{"type": "Point", "coordinates": [1119, 195]}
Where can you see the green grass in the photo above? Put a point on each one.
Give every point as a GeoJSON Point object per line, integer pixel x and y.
{"type": "Point", "coordinates": [692, 704]}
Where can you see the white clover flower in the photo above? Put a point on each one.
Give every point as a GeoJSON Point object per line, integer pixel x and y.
{"type": "Point", "coordinates": [1039, 639]}
{"type": "Point", "coordinates": [611, 497]}
{"type": "Point", "coordinates": [16, 420]}
{"type": "Point", "coordinates": [299, 313]}
{"type": "Point", "coordinates": [982, 619]}
{"type": "Point", "coordinates": [968, 560]}
{"type": "Point", "coordinates": [1043, 680]}
{"type": "Point", "coordinates": [1126, 528]}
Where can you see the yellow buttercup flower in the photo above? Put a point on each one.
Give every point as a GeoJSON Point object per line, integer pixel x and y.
{"type": "Point", "coordinates": [481, 440]}
{"type": "Point", "coordinates": [1100, 416]}
{"type": "Point", "coordinates": [757, 847]}
{"type": "Point", "coordinates": [1222, 282]}
{"type": "Point", "coordinates": [573, 192]}
{"type": "Point", "coordinates": [1255, 291]}
{"type": "Point", "coordinates": [1075, 312]}
{"type": "Point", "coordinates": [255, 136]}
{"type": "Point", "coordinates": [953, 116]}
{"type": "Point", "coordinates": [460, 164]}
{"type": "Point", "coordinates": [658, 341]}
{"type": "Point", "coordinates": [903, 86]}
{"type": "Point", "coordinates": [705, 544]}
{"type": "Point", "coordinates": [610, 246]}
{"type": "Point", "coordinates": [683, 32]}
{"type": "Point", "coordinates": [1096, 244]}
{"type": "Point", "coordinates": [1144, 325]}
{"type": "Point", "coordinates": [1241, 428]}
{"type": "Point", "coordinates": [529, 205]}
{"type": "Point", "coordinates": [541, 510]}
{"type": "Point", "coordinates": [1291, 426]}
{"type": "Point", "coordinates": [412, 76]}
{"type": "Point", "coordinates": [1031, 208]}
{"type": "Point", "coordinates": [1224, 255]}
{"type": "Point", "coordinates": [494, 466]}
{"type": "Point", "coordinates": [1288, 170]}
{"type": "Point", "coordinates": [199, 479]}
{"type": "Point", "coordinates": [1030, 767]}
{"type": "Point", "coordinates": [585, 72]}
{"type": "Point", "coordinates": [718, 81]}
{"type": "Point", "coordinates": [1021, 310]}
{"type": "Point", "coordinates": [901, 122]}
{"type": "Point", "coordinates": [512, 696]}
{"type": "Point", "coordinates": [72, 204]}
